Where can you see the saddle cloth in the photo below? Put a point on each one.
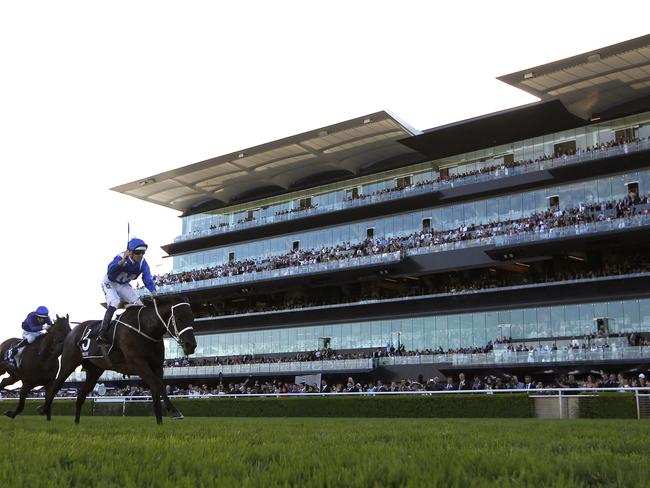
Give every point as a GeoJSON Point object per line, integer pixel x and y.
{"type": "Point", "coordinates": [16, 359]}
{"type": "Point", "coordinates": [90, 349]}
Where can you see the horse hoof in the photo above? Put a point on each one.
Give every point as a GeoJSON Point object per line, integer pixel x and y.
{"type": "Point", "coordinates": [178, 416]}
{"type": "Point", "coordinates": [10, 414]}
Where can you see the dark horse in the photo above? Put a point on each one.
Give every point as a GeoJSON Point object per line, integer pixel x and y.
{"type": "Point", "coordinates": [137, 350]}
{"type": "Point", "coordinates": [39, 361]}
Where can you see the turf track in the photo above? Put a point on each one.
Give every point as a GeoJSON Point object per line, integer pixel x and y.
{"type": "Point", "coordinates": [135, 452]}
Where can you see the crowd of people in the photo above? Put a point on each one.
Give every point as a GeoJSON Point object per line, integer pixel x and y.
{"type": "Point", "coordinates": [301, 208]}
{"type": "Point", "coordinates": [504, 381]}
{"type": "Point", "coordinates": [496, 170]}
{"type": "Point", "coordinates": [546, 221]}
{"type": "Point", "coordinates": [616, 264]}
{"type": "Point", "coordinates": [595, 342]}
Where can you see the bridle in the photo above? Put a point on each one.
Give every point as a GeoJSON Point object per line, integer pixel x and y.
{"type": "Point", "coordinates": [170, 326]}
{"type": "Point", "coordinates": [176, 335]}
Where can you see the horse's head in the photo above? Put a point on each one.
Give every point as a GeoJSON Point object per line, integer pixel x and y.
{"type": "Point", "coordinates": [59, 330]}
{"type": "Point", "coordinates": [179, 320]}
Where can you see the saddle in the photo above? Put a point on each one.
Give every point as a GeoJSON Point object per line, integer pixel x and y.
{"type": "Point", "coordinates": [90, 348]}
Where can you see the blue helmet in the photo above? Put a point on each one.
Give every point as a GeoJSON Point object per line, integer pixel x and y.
{"type": "Point", "coordinates": [42, 311]}
{"type": "Point", "coordinates": [136, 244]}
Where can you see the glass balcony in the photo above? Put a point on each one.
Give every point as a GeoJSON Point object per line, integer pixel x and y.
{"type": "Point", "coordinates": [495, 358]}
{"type": "Point", "coordinates": [386, 258]}
{"type": "Point", "coordinates": [297, 367]}
{"type": "Point", "coordinates": [389, 258]}
{"type": "Point", "coordinates": [577, 158]}
{"type": "Point", "coordinates": [530, 286]}
{"type": "Point", "coordinates": [527, 357]}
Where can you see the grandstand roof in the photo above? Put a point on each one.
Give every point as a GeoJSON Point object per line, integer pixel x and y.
{"type": "Point", "coordinates": [344, 149]}
{"type": "Point", "coordinates": [495, 129]}
{"type": "Point", "coordinates": [593, 82]}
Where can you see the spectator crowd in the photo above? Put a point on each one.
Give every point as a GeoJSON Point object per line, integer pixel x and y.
{"type": "Point", "coordinates": [500, 169]}
{"type": "Point", "coordinates": [503, 381]}
{"type": "Point", "coordinates": [538, 222]}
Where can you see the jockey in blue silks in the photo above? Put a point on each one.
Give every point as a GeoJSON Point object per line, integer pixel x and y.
{"type": "Point", "coordinates": [124, 268]}
{"type": "Point", "coordinates": [34, 326]}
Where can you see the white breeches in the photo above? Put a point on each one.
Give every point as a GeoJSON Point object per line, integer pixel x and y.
{"type": "Point", "coordinates": [117, 292]}
{"type": "Point", "coordinates": [31, 336]}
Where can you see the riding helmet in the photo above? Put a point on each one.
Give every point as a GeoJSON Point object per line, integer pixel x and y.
{"type": "Point", "coordinates": [42, 311]}
{"type": "Point", "coordinates": [136, 244]}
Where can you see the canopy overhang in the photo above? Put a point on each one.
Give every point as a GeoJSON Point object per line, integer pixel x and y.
{"type": "Point", "coordinates": [594, 82]}
{"type": "Point", "coordinates": [341, 150]}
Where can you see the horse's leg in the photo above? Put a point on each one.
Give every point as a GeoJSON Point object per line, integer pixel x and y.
{"type": "Point", "coordinates": [92, 375]}
{"type": "Point", "coordinates": [155, 385]}
{"type": "Point", "coordinates": [69, 362]}
{"type": "Point", "coordinates": [24, 390]}
{"type": "Point", "coordinates": [171, 409]}
{"type": "Point", "coordinates": [41, 408]}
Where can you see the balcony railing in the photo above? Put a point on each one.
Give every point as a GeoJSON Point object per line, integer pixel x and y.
{"type": "Point", "coordinates": [298, 367]}
{"type": "Point", "coordinates": [526, 357]}
{"type": "Point", "coordinates": [424, 188]}
{"type": "Point", "coordinates": [389, 258]}
{"type": "Point", "coordinates": [386, 258]}
{"type": "Point", "coordinates": [472, 291]}
{"type": "Point", "coordinates": [495, 358]}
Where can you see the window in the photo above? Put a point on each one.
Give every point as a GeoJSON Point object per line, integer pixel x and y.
{"type": "Point", "coordinates": [509, 158]}
{"type": "Point", "coordinates": [295, 245]}
{"type": "Point", "coordinates": [250, 215]}
{"type": "Point", "coordinates": [602, 325]}
{"type": "Point", "coordinates": [632, 189]}
{"type": "Point", "coordinates": [370, 233]}
{"type": "Point", "coordinates": [404, 181]}
{"type": "Point", "coordinates": [444, 173]}
{"type": "Point", "coordinates": [231, 257]}
{"type": "Point", "coordinates": [426, 225]}
{"type": "Point", "coordinates": [564, 148]}
{"type": "Point", "coordinates": [554, 202]}
{"type": "Point", "coordinates": [305, 202]}
{"type": "Point", "coordinates": [627, 134]}
{"type": "Point", "coordinates": [352, 193]}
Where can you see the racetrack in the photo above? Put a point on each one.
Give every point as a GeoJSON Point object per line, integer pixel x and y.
{"type": "Point", "coordinates": [135, 452]}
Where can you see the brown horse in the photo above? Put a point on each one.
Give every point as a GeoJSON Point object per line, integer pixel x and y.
{"type": "Point", "coordinates": [137, 350]}
{"type": "Point", "coordinates": [39, 361]}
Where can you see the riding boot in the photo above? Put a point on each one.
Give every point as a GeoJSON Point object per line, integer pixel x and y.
{"type": "Point", "coordinates": [102, 337]}
{"type": "Point", "coordinates": [12, 350]}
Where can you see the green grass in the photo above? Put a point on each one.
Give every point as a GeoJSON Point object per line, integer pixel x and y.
{"type": "Point", "coordinates": [135, 452]}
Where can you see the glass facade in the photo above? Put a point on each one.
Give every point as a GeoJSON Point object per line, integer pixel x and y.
{"type": "Point", "coordinates": [446, 331]}
{"type": "Point", "coordinates": [506, 207]}
{"type": "Point", "coordinates": [335, 193]}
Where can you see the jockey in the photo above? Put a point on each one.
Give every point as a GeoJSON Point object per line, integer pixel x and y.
{"type": "Point", "coordinates": [125, 267]}
{"type": "Point", "coordinates": [34, 326]}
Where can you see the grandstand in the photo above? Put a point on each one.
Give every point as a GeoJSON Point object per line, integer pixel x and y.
{"type": "Point", "coordinates": [515, 241]}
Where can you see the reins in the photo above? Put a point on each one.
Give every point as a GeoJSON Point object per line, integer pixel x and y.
{"type": "Point", "coordinates": [175, 334]}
